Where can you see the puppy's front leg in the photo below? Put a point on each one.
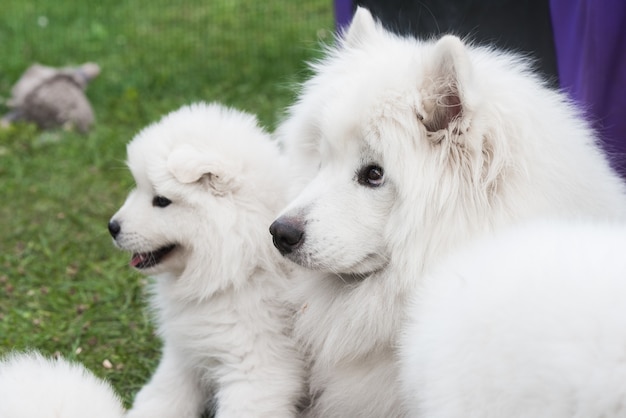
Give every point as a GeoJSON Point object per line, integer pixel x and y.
{"type": "Point", "coordinates": [269, 393]}
{"type": "Point", "coordinates": [173, 392]}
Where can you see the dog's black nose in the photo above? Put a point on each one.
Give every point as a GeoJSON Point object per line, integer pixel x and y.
{"type": "Point", "coordinates": [114, 228]}
{"type": "Point", "coordinates": [287, 234]}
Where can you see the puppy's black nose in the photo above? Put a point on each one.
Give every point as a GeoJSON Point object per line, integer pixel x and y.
{"type": "Point", "coordinates": [114, 228]}
{"type": "Point", "coordinates": [287, 234]}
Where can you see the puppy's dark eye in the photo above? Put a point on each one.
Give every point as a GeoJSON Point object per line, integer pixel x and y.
{"type": "Point", "coordinates": [160, 201]}
{"type": "Point", "coordinates": [371, 175]}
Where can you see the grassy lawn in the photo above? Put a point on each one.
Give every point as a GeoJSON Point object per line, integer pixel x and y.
{"type": "Point", "coordinates": [64, 288]}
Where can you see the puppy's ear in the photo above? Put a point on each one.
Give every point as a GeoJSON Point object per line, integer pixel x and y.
{"type": "Point", "coordinates": [362, 26]}
{"type": "Point", "coordinates": [188, 165]}
{"type": "Point", "coordinates": [446, 87]}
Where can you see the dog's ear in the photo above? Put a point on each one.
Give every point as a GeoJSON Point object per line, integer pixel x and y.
{"type": "Point", "coordinates": [189, 165]}
{"type": "Point", "coordinates": [361, 27]}
{"type": "Point", "coordinates": [446, 85]}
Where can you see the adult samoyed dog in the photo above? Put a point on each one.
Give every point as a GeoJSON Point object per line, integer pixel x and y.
{"type": "Point", "coordinates": [209, 181]}
{"type": "Point", "coordinates": [531, 324]}
{"type": "Point", "coordinates": [32, 385]}
{"type": "Point", "coordinates": [406, 150]}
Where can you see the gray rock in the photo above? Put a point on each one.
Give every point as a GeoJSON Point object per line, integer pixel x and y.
{"type": "Point", "coordinates": [53, 97]}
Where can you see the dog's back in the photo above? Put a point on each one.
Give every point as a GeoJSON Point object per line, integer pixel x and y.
{"type": "Point", "coordinates": [531, 323]}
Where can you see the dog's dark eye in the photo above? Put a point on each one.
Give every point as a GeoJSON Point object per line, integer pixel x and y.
{"type": "Point", "coordinates": [371, 176]}
{"type": "Point", "coordinates": [160, 201]}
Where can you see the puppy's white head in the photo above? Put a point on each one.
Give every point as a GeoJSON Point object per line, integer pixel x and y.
{"type": "Point", "coordinates": [161, 218]}
{"type": "Point", "coordinates": [208, 182]}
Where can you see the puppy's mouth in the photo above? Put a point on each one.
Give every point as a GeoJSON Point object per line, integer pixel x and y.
{"type": "Point", "coordinates": [149, 259]}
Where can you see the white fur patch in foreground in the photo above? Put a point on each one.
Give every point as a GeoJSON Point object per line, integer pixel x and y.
{"type": "Point", "coordinates": [531, 324]}
{"type": "Point", "coordinates": [34, 386]}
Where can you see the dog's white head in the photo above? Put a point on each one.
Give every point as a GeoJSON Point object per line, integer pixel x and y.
{"type": "Point", "coordinates": [209, 180]}
{"type": "Point", "coordinates": [375, 115]}
{"type": "Point", "coordinates": [399, 139]}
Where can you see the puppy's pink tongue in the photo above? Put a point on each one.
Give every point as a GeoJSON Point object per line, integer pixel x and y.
{"type": "Point", "coordinates": [137, 259]}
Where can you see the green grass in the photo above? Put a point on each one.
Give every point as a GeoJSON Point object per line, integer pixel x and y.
{"type": "Point", "coordinates": [64, 288]}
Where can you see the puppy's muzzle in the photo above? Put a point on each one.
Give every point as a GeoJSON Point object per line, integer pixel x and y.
{"type": "Point", "coordinates": [287, 234]}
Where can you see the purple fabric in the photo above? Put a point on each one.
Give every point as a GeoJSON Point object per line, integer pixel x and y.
{"type": "Point", "coordinates": [343, 13]}
{"type": "Point", "coordinates": [590, 41]}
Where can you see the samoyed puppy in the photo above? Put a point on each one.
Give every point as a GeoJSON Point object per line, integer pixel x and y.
{"type": "Point", "coordinates": [531, 324]}
{"type": "Point", "coordinates": [408, 149]}
{"type": "Point", "coordinates": [32, 385]}
{"type": "Point", "coordinates": [209, 181]}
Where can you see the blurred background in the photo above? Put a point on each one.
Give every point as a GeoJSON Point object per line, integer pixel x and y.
{"type": "Point", "coordinates": [64, 288]}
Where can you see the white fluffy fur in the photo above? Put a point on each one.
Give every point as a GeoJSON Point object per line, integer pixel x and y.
{"type": "Point", "coordinates": [34, 386]}
{"type": "Point", "coordinates": [531, 324]}
{"type": "Point", "coordinates": [469, 140]}
{"type": "Point", "coordinates": [218, 296]}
